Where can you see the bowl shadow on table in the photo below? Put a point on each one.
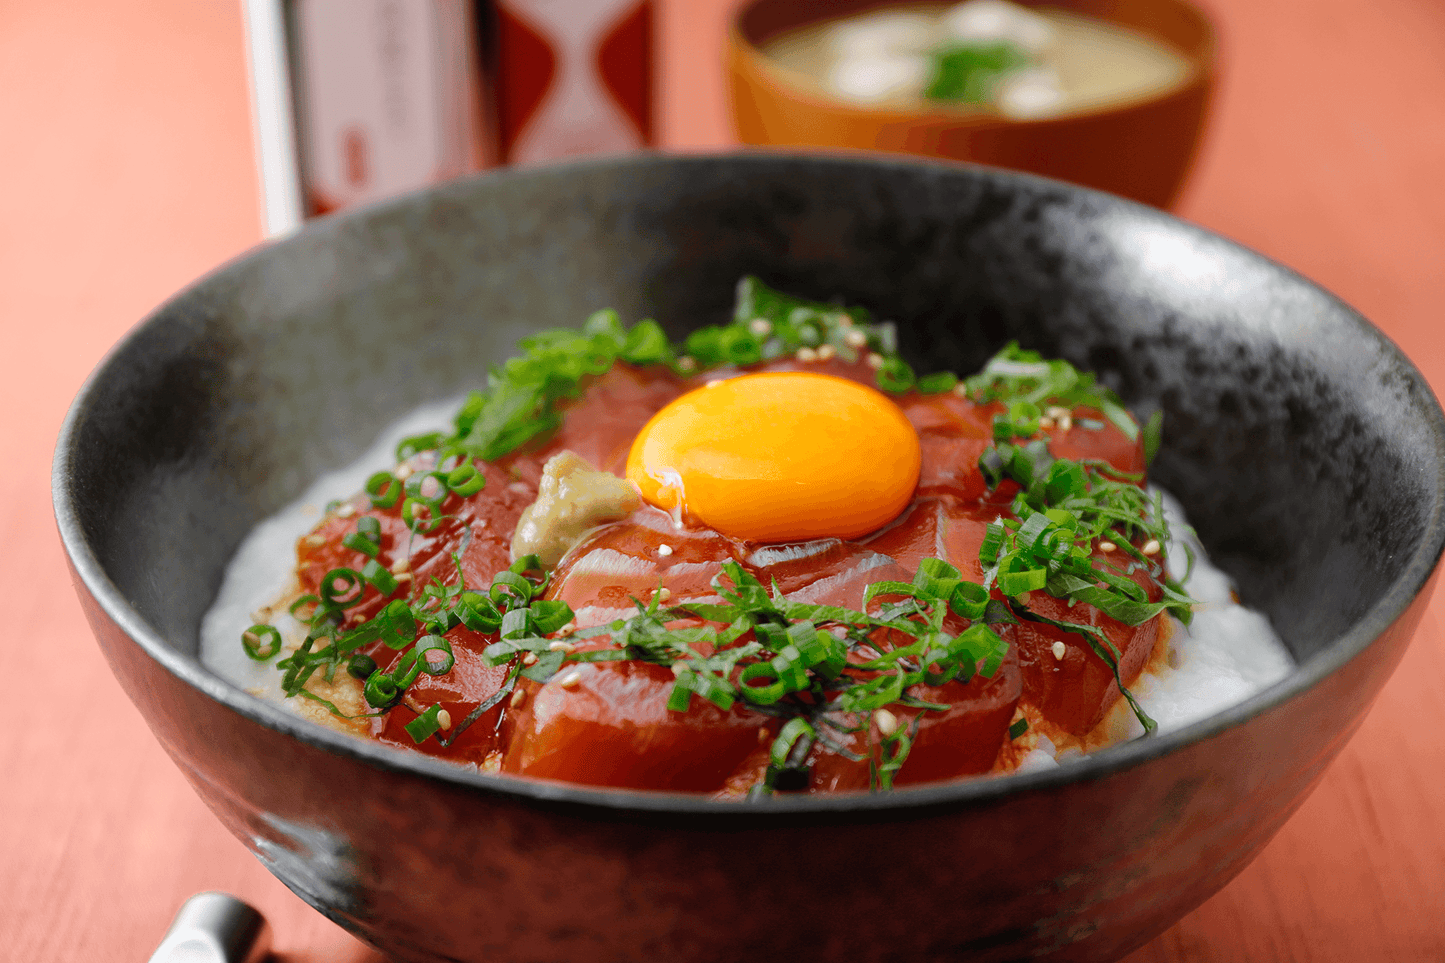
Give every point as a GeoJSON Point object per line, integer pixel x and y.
{"type": "Point", "coordinates": [1306, 449]}
{"type": "Point", "coordinates": [1142, 148]}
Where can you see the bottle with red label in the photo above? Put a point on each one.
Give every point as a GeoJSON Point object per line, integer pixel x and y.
{"type": "Point", "coordinates": [358, 100]}
{"type": "Point", "coordinates": [388, 97]}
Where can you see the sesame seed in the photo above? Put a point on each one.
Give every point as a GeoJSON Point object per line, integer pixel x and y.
{"type": "Point", "coordinates": [346, 510]}
{"type": "Point", "coordinates": [261, 615]}
{"type": "Point", "coordinates": [1151, 547]}
{"type": "Point", "coordinates": [875, 360]}
{"type": "Point", "coordinates": [961, 390]}
{"type": "Point", "coordinates": [560, 646]}
{"type": "Point", "coordinates": [826, 352]}
{"type": "Point", "coordinates": [402, 565]}
{"type": "Point", "coordinates": [663, 594]}
{"type": "Point", "coordinates": [1107, 547]}
{"type": "Point", "coordinates": [845, 320]}
{"type": "Point", "coordinates": [760, 327]}
{"type": "Point", "coordinates": [315, 540]}
{"type": "Point", "coordinates": [1054, 411]}
{"type": "Point", "coordinates": [479, 523]}
{"type": "Point", "coordinates": [807, 354]}
{"type": "Point", "coordinates": [571, 679]}
{"type": "Point", "coordinates": [529, 659]}
{"type": "Point", "coordinates": [1046, 422]}
{"type": "Point", "coordinates": [855, 338]}
{"type": "Point", "coordinates": [687, 363]}
{"type": "Point", "coordinates": [518, 697]}
{"type": "Point", "coordinates": [678, 668]}
{"type": "Point", "coordinates": [403, 471]}
{"type": "Point", "coordinates": [444, 719]}
{"type": "Point", "coordinates": [567, 629]}
{"type": "Point", "coordinates": [763, 735]}
{"type": "Point", "coordinates": [1065, 422]}
{"type": "Point", "coordinates": [664, 550]}
{"type": "Point", "coordinates": [403, 576]}
{"type": "Point", "coordinates": [886, 722]}
{"type": "Point", "coordinates": [1060, 650]}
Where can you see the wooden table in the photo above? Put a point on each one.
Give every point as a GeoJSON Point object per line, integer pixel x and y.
{"type": "Point", "coordinates": [128, 171]}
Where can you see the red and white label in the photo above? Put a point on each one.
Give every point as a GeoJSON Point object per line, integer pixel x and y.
{"type": "Point", "coordinates": [574, 77]}
{"type": "Point", "coordinates": [387, 96]}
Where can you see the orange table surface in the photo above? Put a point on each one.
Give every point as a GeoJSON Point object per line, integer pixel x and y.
{"type": "Point", "coordinates": [127, 172]}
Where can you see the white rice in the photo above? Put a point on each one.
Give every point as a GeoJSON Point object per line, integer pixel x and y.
{"type": "Point", "coordinates": [263, 566]}
{"type": "Point", "coordinates": [1225, 655]}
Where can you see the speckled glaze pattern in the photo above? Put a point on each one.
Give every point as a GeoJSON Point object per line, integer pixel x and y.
{"type": "Point", "coordinates": [1306, 449]}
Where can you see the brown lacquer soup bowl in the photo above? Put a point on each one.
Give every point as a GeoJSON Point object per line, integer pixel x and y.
{"type": "Point", "coordinates": [1306, 449]}
{"type": "Point", "coordinates": [1141, 146]}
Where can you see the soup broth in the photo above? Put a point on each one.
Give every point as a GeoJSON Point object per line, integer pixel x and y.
{"type": "Point", "coordinates": [886, 58]}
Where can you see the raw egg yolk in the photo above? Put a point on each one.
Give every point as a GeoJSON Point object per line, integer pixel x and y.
{"type": "Point", "coordinates": [780, 457]}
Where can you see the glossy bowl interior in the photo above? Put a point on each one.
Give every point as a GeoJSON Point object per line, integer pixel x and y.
{"type": "Point", "coordinates": [1306, 449]}
{"type": "Point", "coordinates": [1140, 148]}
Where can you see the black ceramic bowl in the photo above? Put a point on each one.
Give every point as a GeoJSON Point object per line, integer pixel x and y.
{"type": "Point", "coordinates": [1306, 449]}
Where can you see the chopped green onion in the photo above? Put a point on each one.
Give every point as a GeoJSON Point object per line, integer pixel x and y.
{"type": "Point", "coordinates": [465, 480]}
{"type": "Point", "coordinates": [1153, 430]}
{"type": "Point", "coordinates": [893, 754]}
{"type": "Point", "coordinates": [790, 748]}
{"type": "Point", "coordinates": [420, 516]}
{"type": "Point", "coordinates": [431, 665]}
{"type": "Point", "coordinates": [895, 375]}
{"type": "Point", "coordinates": [367, 537]}
{"type": "Point", "coordinates": [968, 72]}
{"type": "Point", "coordinates": [711, 688]}
{"type": "Point", "coordinates": [381, 691]}
{"type": "Point", "coordinates": [361, 666]}
{"type": "Point", "coordinates": [379, 576]}
{"type": "Point", "coordinates": [969, 600]}
{"type": "Point", "coordinates": [937, 383]}
{"type": "Point", "coordinates": [261, 642]}
{"type": "Point", "coordinates": [384, 489]}
{"type": "Point", "coordinates": [425, 725]}
{"type": "Point", "coordinates": [342, 588]}
{"type": "Point", "coordinates": [303, 601]}
{"type": "Point", "coordinates": [1017, 583]}
{"type": "Point", "coordinates": [646, 344]}
{"type": "Point", "coordinates": [766, 694]}
{"type": "Point", "coordinates": [417, 444]}
{"type": "Point", "coordinates": [477, 612]}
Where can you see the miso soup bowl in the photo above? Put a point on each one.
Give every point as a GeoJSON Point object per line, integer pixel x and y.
{"type": "Point", "coordinates": [1306, 449]}
{"type": "Point", "coordinates": [1140, 147]}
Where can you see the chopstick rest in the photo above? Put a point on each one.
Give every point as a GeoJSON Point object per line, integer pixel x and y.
{"type": "Point", "coordinates": [215, 928]}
